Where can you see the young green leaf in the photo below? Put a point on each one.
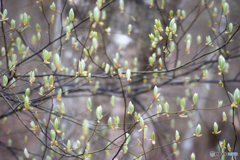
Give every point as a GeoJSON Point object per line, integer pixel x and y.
{"type": "Point", "coordinates": [69, 146]}
{"type": "Point", "coordinates": [195, 98]}
{"type": "Point", "coordinates": [198, 130]}
{"type": "Point", "coordinates": [99, 112]}
{"type": "Point", "coordinates": [110, 122]}
{"type": "Point", "coordinates": [183, 104]}
{"type": "Point", "coordinates": [221, 62]}
{"type": "Point", "coordinates": [153, 138]}
{"type": "Point", "coordinates": [71, 15]}
{"type": "Point", "coordinates": [128, 75]}
{"type": "Point", "coordinates": [121, 5]}
{"type": "Point", "coordinates": [52, 134]}
{"type": "Point", "coordinates": [113, 100]}
{"type": "Point", "coordinates": [96, 14]}
{"type": "Point", "coordinates": [193, 156]}
{"type": "Point", "coordinates": [85, 127]}
{"type": "Point", "coordinates": [130, 108]}
{"type": "Point", "coordinates": [26, 152]}
{"type": "Point", "coordinates": [166, 106]}
{"type": "Point", "coordinates": [48, 158]}
{"type": "Point", "coordinates": [224, 117]}
{"type": "Point", "coordinates": [177, 136]}
{"type": "Point", "coordinates": [226, 9]}
{"type": "Point", "coordinates": [5, 80]}
{"type": "Point", "coordinates": [215, 126]}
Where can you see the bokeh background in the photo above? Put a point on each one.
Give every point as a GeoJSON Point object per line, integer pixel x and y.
{"type": "Point", "coordinates": [137, 44]}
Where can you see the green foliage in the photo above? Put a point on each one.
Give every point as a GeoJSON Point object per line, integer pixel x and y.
{"type": "Point", "coordinates": [61, 61]}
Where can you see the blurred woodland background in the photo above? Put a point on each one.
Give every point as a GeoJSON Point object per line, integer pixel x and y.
{"type": "Point", "coordinates": [180, 75]}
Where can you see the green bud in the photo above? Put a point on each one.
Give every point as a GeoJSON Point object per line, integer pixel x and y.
{"type": "Point", "coordinates": [38, 36]}
{"type": "Point", "coordinates": [12, 24]}
{"type": "Point", "coordinates": [215, 126]}
{"type": "Point", "coordinates": [130, 108]}
{"type": "Point", "coordinates": [129, 29]}
{"type": "Point", "coordinates": [224, 117]}
{"type": "Point", "coordinates": [95, 43]}
{"type": "Point", "coordinates": [32, 124]}
{"type": "Point", "coordinates": [229, 147]}
{"type": "Point", "coordinates": [199, 39]}
{"type": "Point", "coordinates": [52, 7]}
{"type": "Point", "coordinates": [4, 120]}
{"type": "Point", "coordinates": [152, 37]}
{"type": "Point", "coordinates": [174, 146]}
{"type": "Point", "coordinates": [151, 60]}
{"type": "Point", "coordinates": [96, 14]}
{"type": "Point", "coordinates": [104, 15]}
{"type": "Point", "coordinates": [3, 51]}
{"type": "Point", "coordinates": [163, 3]}
{"type": "Point", "coordinates": [78, 144]}
{"type": "Point", "coordinates": [171, 13]}
{"type": "Point", "coordinates": [193, 156]}
{"type": "Point", "coordinates": [226, 9]}
{"type": "Point", "coordinates": [172, 22]}
{"type": "Point", "coordinates": [41, 90]}
{"type": "Point", "coordinates": [215, 12]}
{"type": "Point", "coordinates": [26, 102]}
{"type": "Point", "coordinates": [27, 92]}
{"type": "Point", "coordinates": [183, 14]}
{"type": "Point", "coordinates": [135, 60]}
{"type": "Point", "coordinates": [159, 108]}
{"type": "Point", "coordinates": [5, 80]}
{"type": "Point", "coordinates": [52, 134]}
{"type": "Point", "coordinates": [46, 55]}
{"type": "Point", "coordinates": [128, 136]}
{"type": "Point", "coordinates": [63, 136]}
{"type": "Point", "coordinates": [107, 67]}
{"type": "Point", "coordinates": [89, 104]}
{"type": "Point", "coordinates": [177, 136]}
{"type": "Point", "coordinates": [69, 145]}
{"type": "Point", "coordinates": [141, 121]}
{"type": "Point", "coordinates": [9, 142]}
{"type": "Point", "coordinates": [81, 66]}
{"type": "Point", "coordinates": [128, 75]}
{"type": "Point", "coordinates": [57, 60]}
{"type": "Point", "coordinates": [113, 100]}
{"type": "Point", "coordinates": [158, 24]}
{"type": "Point", "coordinates": [85, 127]}
{"type": "Point", "coordinates": [230, 26]}
{"type": "Point", "coordinates": [26, 152]}
{"type": "Point", "coordinates": [157, 33]}
{"type": "Point", "coordinates": [195, 98]}
{"type": "Point", "coordinates": [56, 124]}
{"type": "Point", "coordinates": [220, 103]}
{"type": "Point", "coordinates": [110, 122]}
{"type": "Point", "coordinates": [155, 90]}
{"type": "Point", "coordinates": [198, 130]}
{"type": "Point", "coordinates": [188, 44]}
{"type": "Point", "coordinates": [209, 40]}
{"type": "Point", "coordinates": [99, 112]}
{"type": "Point", "coordinates": [183, 103]}
{"type": "Point", "coordinates": [236, 96]}
{"type": "Point", "coordinates": [71, 15]}
{"type": "Point", "coordinates": [38, 28]}
{"type": "Point", "coordinates": [121, 5]}
{"type": "Point", "coordinates": [221, 62]}
{"type": "Point", "coordinates": [34, 39]}
{"type": "Point", "coordinates": [166, 106]}
{"type": "Point", "coordinates": [153, 138]}
{"type": "Point", "coordinates": [4, 14]}
{"type": "Point", "coordinates": [48, 158]}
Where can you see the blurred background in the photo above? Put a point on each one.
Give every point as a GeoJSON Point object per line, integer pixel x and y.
{"type": "Point", "coordinates": [173, 85]}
